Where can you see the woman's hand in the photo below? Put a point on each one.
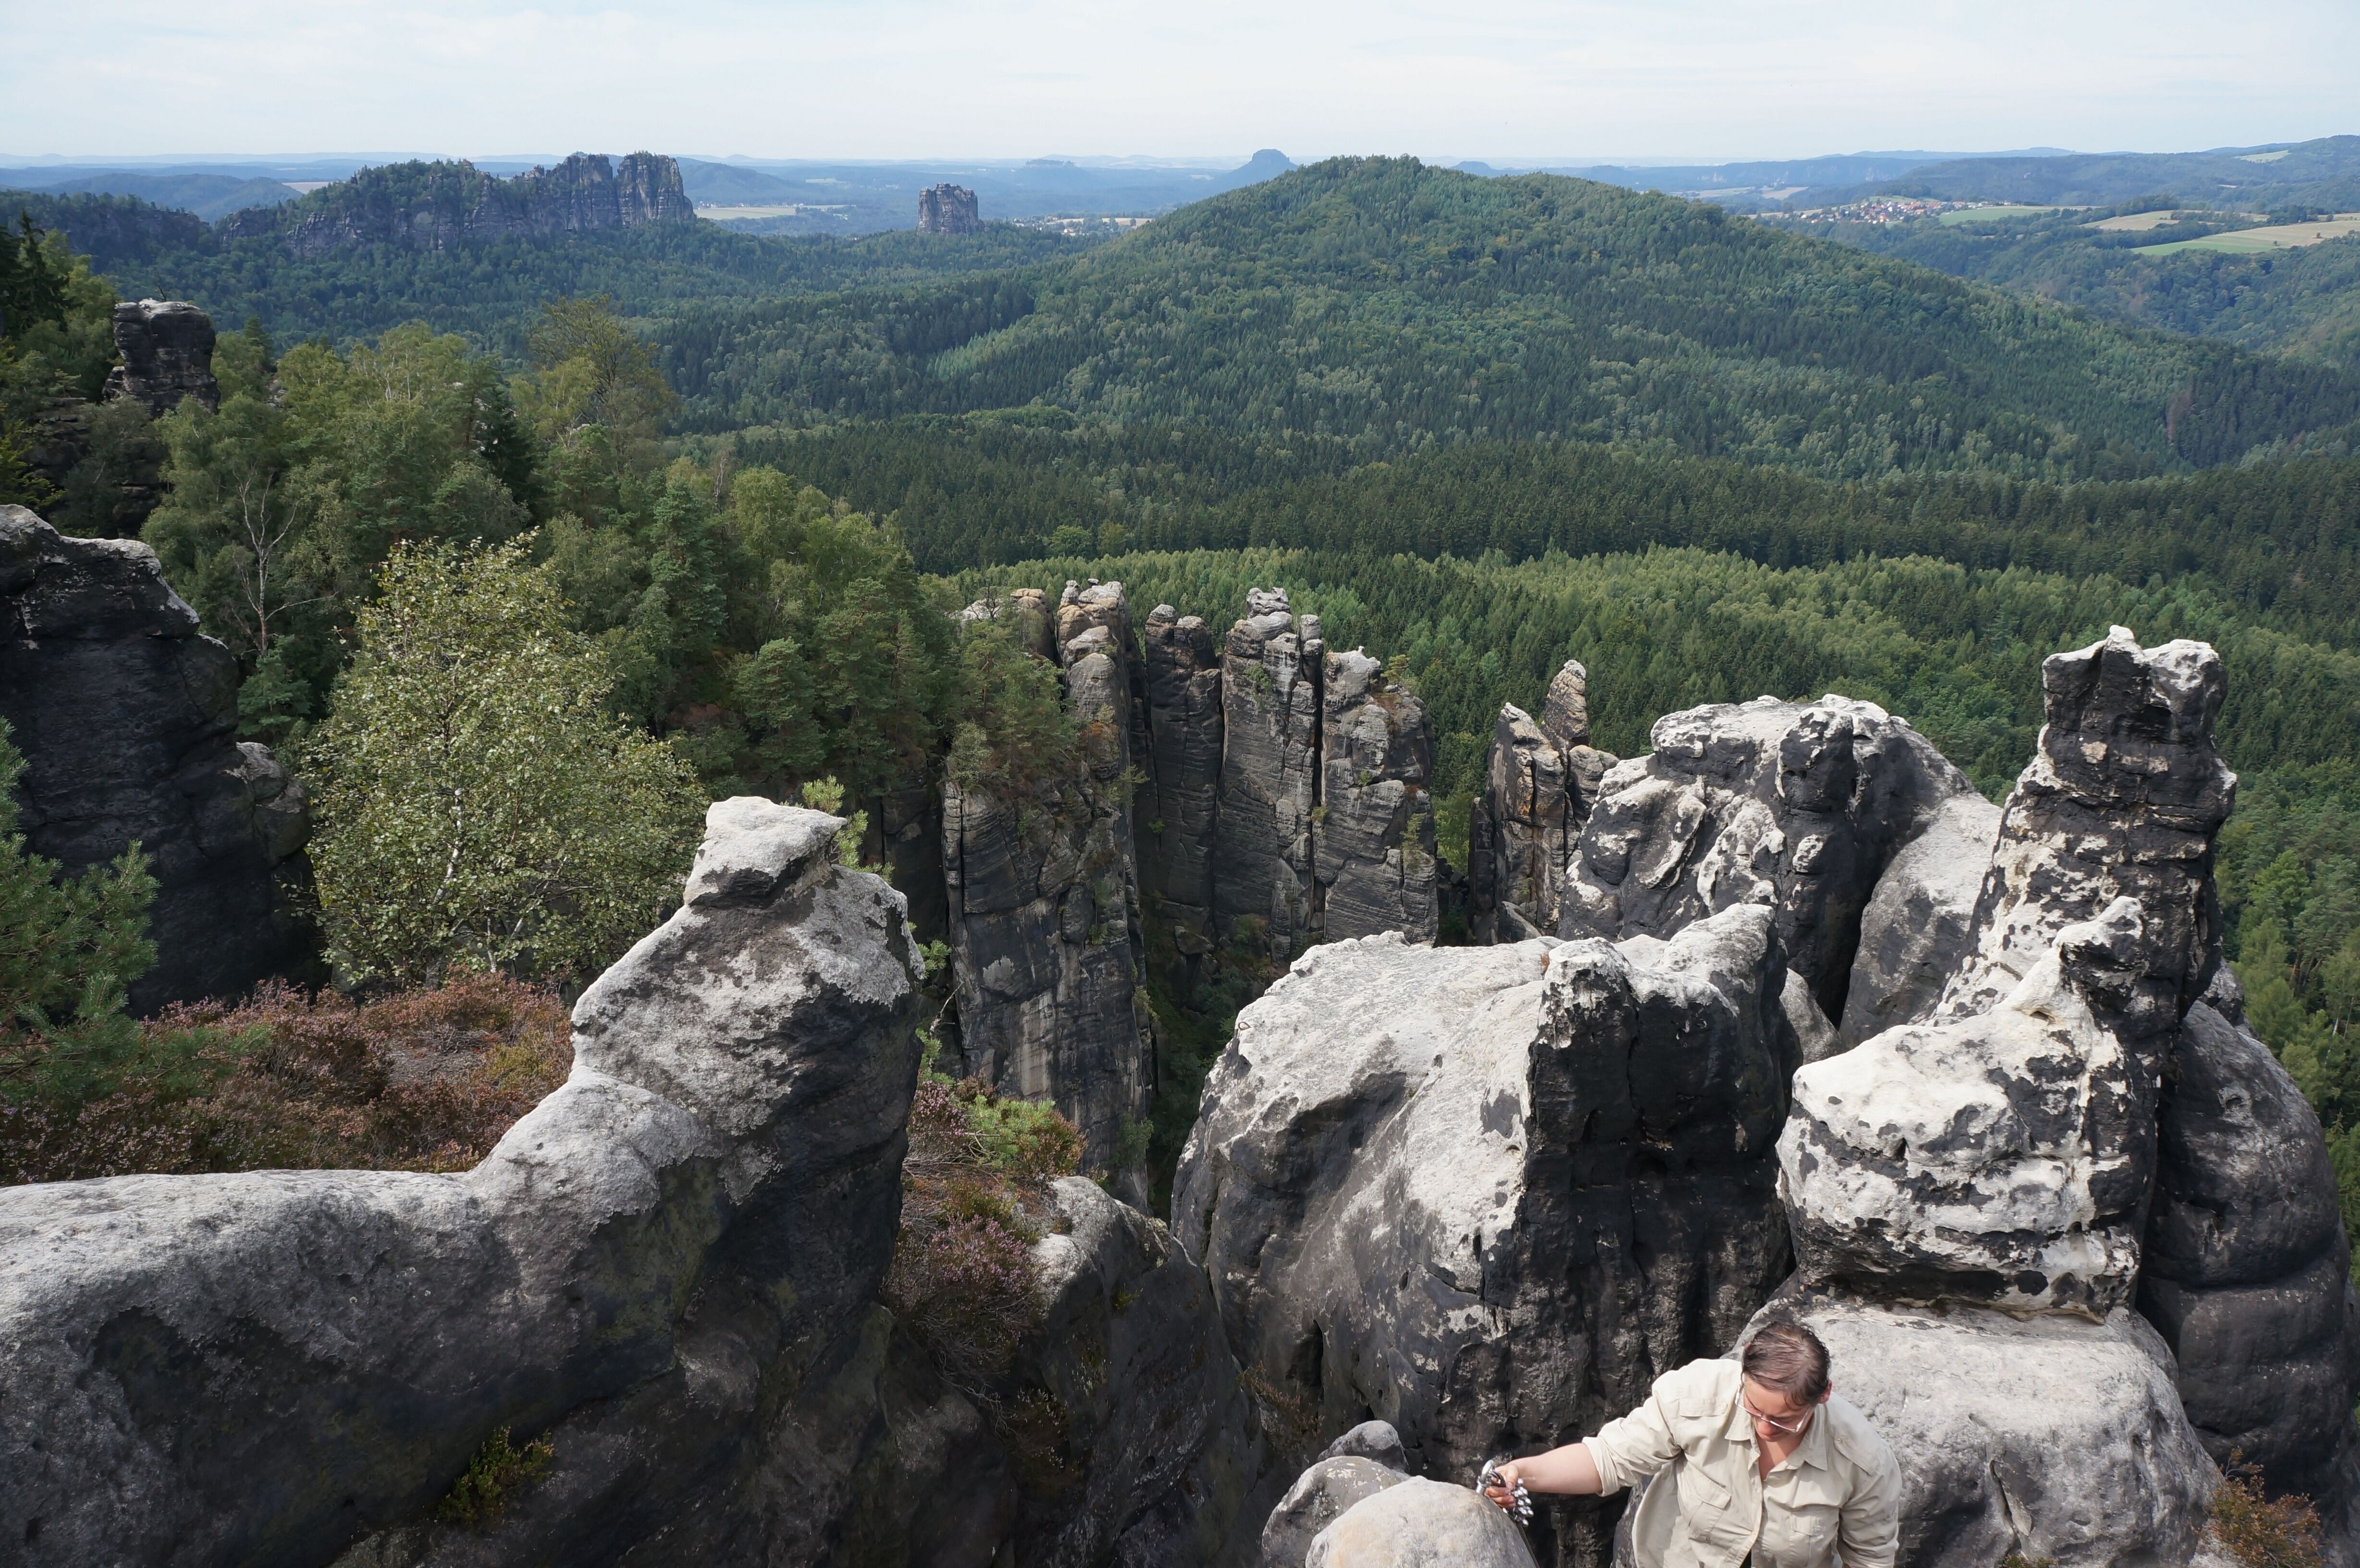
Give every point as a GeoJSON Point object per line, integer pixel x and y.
{"type": "Point", "coordinates": [1502, 1492]}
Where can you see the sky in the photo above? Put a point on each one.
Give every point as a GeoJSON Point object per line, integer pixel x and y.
{"type": "Point", "coordinates": [1588, 80]}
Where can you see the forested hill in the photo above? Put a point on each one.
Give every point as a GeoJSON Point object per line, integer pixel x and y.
{"type": "Point", "coordinates": [1390, 306]}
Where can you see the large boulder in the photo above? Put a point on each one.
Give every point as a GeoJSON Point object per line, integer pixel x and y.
{"type": "Point", "coordinates": [1800, 807]}
{"type": "Point", "coordinates": [668, 1265]}
{"type": "Point", "coordinates": [126, 717]}
{"type": "Point", "coordinates": [1487, 1195]}
{"type": "Point", "coordinates": [2246, 1271]}
{"type": "Point", "coordinates": [2049, 1437]}
{"type": "Point", "coordinates": [1919, 927]}
{"type": "Point", "coordinates": [1421, 1524]}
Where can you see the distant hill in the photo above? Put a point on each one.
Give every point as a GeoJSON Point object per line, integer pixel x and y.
{"type": "Point", "coordinates": [114, 232]}
{"type": "Point", "coordinates": [2325, 173]}
{"type": "Point", "coordinates": [1385, 305]}
{"type": "Point", "coordinates": [209, 196]}
{"type": "Point", "coordinates": [437, 206]}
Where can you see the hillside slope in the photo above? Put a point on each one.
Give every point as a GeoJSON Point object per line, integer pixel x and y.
{"type": "Point", "coordinates": [1388, 306]}
{"type": "Point", "coordinates": [2323, 172]}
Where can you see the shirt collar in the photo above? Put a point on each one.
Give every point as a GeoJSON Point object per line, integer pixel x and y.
{"type": "Point", "coordinates": [1813, 1450]}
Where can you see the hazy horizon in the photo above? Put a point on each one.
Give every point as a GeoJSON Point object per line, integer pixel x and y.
{"type": "Point", "coordinates": [1688, 80]}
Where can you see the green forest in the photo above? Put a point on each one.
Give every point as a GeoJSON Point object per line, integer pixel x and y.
{"type": "Point", "coordinates": [734, 487]}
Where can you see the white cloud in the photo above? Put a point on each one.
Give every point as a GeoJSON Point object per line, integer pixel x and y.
{"type": "Point", "coordinates": [896, 78]}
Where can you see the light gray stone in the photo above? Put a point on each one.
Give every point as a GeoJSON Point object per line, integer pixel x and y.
{"type": "Point", "coordinates": [1320, 1496]}
{"type": "Point", "coordinates": [667, 1263]}
{"type": "Point", "coordinates": [1372, 832]}
{"type": "Point", "coordinates": [1421, 1524]}
{"type": "Point", "coordinates": [1919, 927]}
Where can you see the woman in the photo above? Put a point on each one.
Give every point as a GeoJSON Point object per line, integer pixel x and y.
{"type": "Point", "coordinates": [1755, 1459]}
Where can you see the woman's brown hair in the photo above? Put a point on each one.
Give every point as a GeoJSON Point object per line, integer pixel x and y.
{"type": "Point", "coordinates": [1787, 1359]}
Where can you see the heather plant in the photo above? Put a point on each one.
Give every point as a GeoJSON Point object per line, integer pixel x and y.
{"type": "Point", "coordinates": [2262, 1531]}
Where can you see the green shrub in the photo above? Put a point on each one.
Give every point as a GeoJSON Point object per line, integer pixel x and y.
{"type": "Point", "coordinates": [2261, 1531]}
{"type": "Point", "coordinates": [493, 1477]}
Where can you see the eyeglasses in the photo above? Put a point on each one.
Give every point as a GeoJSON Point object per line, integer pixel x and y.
{"type": "Point", "coordinates": [1789, 1427]}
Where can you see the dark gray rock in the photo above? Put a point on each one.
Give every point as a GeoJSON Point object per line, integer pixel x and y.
{"type": "Point", "coordinates": [1046, 945]}
{"type": "Point", "coordinates": [1541, 782]}
{"type": "Point", "coordinates": [1487, 1195]}
{"type": "Point", "coordinates": [166, 347]}
{"type": "Point", "coordinates": [125, 714]}
{"type": "Point", "coordinates": [1270, 780]}
{"type": "Point", "coordinates": [2247, 1272]}
{"type": "Point", "coordinates": [1371, 1440]}
{"type": "Point", "coordinates": [668, 1264]}
{"type": "Point", "coordinates": [1178, 804]}
{"type": "Point", "coordinates": [948, 209]}
{"type": "Point", "coordinates": [1799, 807]}
{"type": "Point", "coordinates": [1918, 927]}
{"type": "Point", "coordinates": [1373, 863]}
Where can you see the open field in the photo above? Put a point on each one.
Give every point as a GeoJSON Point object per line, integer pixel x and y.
{"type": "Point", "coordinates": [2278, 236]}
{"type": "Point", "coordinates": [2134, 223]}
{"type": "Point", "coordinates": [1984, 215]}
{"type": "Point", "coordinates": [721, 214]}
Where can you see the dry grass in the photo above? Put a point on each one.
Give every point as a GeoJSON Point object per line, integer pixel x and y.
{"type": "Point", "coordinates": [2261, 1531]}
{"type": "Point", "coordinates": [419, 1080]}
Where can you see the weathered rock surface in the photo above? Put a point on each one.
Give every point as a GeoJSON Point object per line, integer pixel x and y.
{"type": "Point", "coordinates": [948, 209]}
{"type": "Point", "coordinates": [667, 1263]}
{"type": "Point", "coordinates": [2121, 799]}
{"type": "Point", "coordinates": [1799, 807]}
{"type": "Point", "coordinates": [167, 352]}
{"type": "Point", "coordinates": [125, 715]}
{"type": "Point", "coordinates": [434, 206]}
{"type": "Point", "coordinates": [2247, 1272]}
{"type": "Point", "coordinates": [1178, 806]}
{"type": "Point", "coordinates": [1539, 786]}
{"type": "Point", "coordinates": [1048, 954]}
{"type": "Point", "coordinates": [1988, 1159]}
{"type": "Point", "coordinates": [1486, 1194]}
{"type": "Point", "coordinates": [1144, 1392]}
{"type": "Point", "coordinates": [1270, 779]}
{"type": "Point", "coordinates": [1421, 1524]}
{"type": "Point", "coordinates": [1320, 1496]}
{"type": "Point", "coordinates": [1372, 834]}
{"type": "Point", "coordinates": [2051, 1436]}
{"type": "Point", "coordinates": [1919, 927]}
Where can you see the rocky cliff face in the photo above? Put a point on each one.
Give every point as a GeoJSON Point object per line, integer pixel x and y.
{"type": "Point", "coordinates": [1798, 806]}
{"type": "Point", "coordinates": [125, 714]}
{"type": "Point", "coordinates": [669, 1263]}
{"type": "Point", "coordinates": [1539, 786]}
{"type": "Point", "coordinates": [1047, 949]}
{"type": "Point", "coordinates": [2004, 1160]}
{"type": "Point", "coordinates": [1179, 803]}
{"type": "Point", "coordinates": [948, 209]}
{"type": "Point", "coordinates": [1487, 1195]}
{"type": "Point", "coordinates": [167, 352]}
{"type": "Point", "coordinates": [434, 206]}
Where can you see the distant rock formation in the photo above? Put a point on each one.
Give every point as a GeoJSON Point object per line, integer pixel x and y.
{"type": "Point", "coordinates": [166, 349]}
{"type": "Point", "coordinates": [125, 716]}
{"type": "Point", "coordinates": [948, 209]}
{"type": "Point", "coordinates": [1046, 944]}
{"type": "Point", "coordinates": [434, 206]}
{"type": "Point", "coordinates": [1538, 789]}
{"type": "Point", "coordinates": [113, 231]}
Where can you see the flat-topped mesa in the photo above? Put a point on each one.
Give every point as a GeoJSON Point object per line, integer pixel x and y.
{"type": "Point", "coordinates": [1178, 805]}
{"type": "Point", "coordinates": [1798, 806]}
{"type": "Point", "coordinates": [1540, 783]}
{"type": "Point", "coordinates": [434, 206]}
{"type": "Point", "coordinates": [1046, 944]}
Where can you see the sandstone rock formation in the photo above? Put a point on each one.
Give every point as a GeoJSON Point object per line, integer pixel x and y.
{"type": "Point", "coordinates": [125, 713]}
{"type": "Point", "coordinates": [1421, 1524]}
{"type": "Point", "coordinates": [1048, 954]}
{"type": "Point", "coordinates": [2245, 1270]}
{"type": "Point", "coordinates": [167, 352]}
{"type": "Point", "coordinates": [2011, 1152]}
{"type": "Point", "coordinates": [1539, 785]}
{"type": "Point", "coordinates": [948, 209]}
{"type": "Point", "coordinates": [1919, 927]}
{"type": "Point", "coordinates": [1179, 802]}
{"type": "Point", "coordinates": [1324, 817]}
{"type": "Point", "coordinates": [1486, 1194]}
{"type": "Point", "coordinates": [434, 206]}
{"type": "Point", "coordinates": [667, 1263]}
{"type": "Point", "coordinates": [1800, 806]}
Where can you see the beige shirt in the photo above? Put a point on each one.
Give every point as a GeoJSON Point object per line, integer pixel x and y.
{"type": "Point", "coordinates": [1837, 1498]}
